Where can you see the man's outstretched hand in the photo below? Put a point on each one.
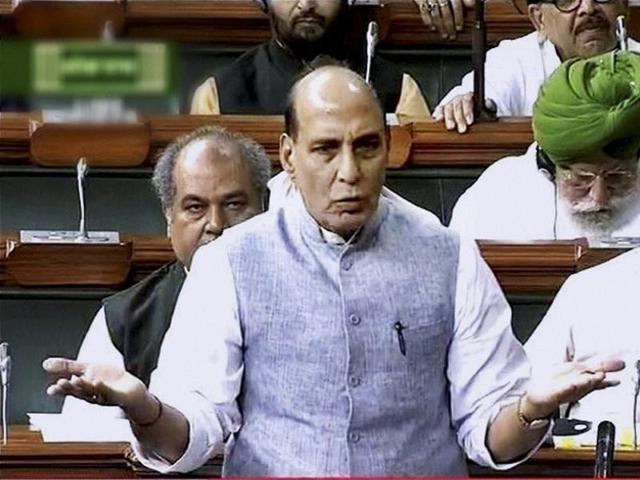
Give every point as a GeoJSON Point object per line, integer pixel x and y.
{"type": "Point", "coordinates": [102, 385]}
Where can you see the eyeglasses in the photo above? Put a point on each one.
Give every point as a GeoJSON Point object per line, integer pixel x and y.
{"type": "Point", "coordinates": [613, 179]}
{"type": "Point", "coordinates": [567, 6]}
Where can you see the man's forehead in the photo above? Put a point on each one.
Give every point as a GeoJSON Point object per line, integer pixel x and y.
{"type": "Point", "coordinates": [205, 151]}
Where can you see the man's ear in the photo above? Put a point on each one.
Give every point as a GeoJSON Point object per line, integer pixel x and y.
{"type": "Point", "coordinates": [287, 155]}
{"type": "Point", "coordinates": [169, 220]}
{"type": "Point", "coordinates": [536, 17]}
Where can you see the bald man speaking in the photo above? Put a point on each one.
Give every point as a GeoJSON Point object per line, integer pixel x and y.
{"type": "Point", "coordinates": [342, 334]}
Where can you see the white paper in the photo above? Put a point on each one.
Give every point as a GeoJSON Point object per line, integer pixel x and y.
{"type": "Point", "coordinates": [57, 427]}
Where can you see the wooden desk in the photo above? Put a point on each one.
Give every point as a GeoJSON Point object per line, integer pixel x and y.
{"type": "Point", "coordinates": [548, 462]}
{"type": "Point", "coordinates": [539, 267]}
{"type": "Point", "coordinates": [241, 22]}
{"type": "Point", "coordinates": [421, 144]}
{"type": "Point", "coordinates": [27, 456]}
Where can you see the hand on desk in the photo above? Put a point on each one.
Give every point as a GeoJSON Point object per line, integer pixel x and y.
{"type": "Point", "coordinates": [103, 385]}
{"type": "Point", "coordinates": [568, 383]}
{"type": "Point", "coordinates": [458, 113]}
{"type": "Point", "coordinates": [445, 16]}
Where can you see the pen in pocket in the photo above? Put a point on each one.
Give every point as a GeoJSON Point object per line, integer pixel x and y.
{"type": "Point", "coordinates": [399, 328]}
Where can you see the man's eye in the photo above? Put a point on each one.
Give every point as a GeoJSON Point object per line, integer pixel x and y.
{"type": "Point", "coordinates": [195, 208]}
{"type": "Point", "coordinates": [323, 149]}
{"type": "Point", "coordinates": [235, 205]}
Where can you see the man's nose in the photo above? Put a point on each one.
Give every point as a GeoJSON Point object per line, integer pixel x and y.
{"type": "Point", "coordinates": [587, 7]}
{"type": "Point", "coordinates": [306, 5]}
{"type": "Point", "coordinates": [599, 192]}
{"type": "Point", "coordinates": [216, 221]}
{"type": "Point", "coordinates": [348, 169]}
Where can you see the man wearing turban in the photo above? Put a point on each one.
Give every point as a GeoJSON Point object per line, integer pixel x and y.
{"type": "Point", "coordinates": [516, 69]}
{"type": "Point", "coordinates": [580, 178]}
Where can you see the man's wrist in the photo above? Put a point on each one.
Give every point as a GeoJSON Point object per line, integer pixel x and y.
{"type": "Point", "coordinates": [144, 411]}
{"type": "Point", "coordinates": [530, 414]}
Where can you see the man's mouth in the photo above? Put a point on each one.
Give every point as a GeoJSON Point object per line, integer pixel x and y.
{"type": "Point", "coordinates": [309, 20]}
{"type": "Point", "coordinates": [592, 26]}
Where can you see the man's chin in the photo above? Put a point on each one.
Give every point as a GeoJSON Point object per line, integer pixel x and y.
{"type": "Point", "coordinates": [594, 43]}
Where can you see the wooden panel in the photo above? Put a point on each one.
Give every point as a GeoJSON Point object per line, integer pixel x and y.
{"type": "Point", "coordinates": [241, 22]}
{"type": "Point", "coordinates": [67, 264]}
{"type": "Point", "coordinates": [533, 268]}
{"type": "Point", "coordinates": [27, 456]}
{"type": "Point", "coordinates": [222, 21]}
{"type": "Point", "coordinates": [14, 137]}
{"type": "Point", "coordinates": [431, 144]}
{"type": "Point", "coordinates": [537, 267]}
{"type": "Point", "coordinates": [435, 146]}
{"type": "Point", "coordinates": [46, 19]}
{"type": "Point", "coordinates": [108, 145]}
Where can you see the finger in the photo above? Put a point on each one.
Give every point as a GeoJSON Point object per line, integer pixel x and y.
{"type": "Point", "coordinates": [458, 14]}
{"type": "Point", "coordinates": [469, 3]}
{"type": "Point", "coordinates": [446, 20]}
{"type": "Point", "coordinates": [449, 121]}
{"type": "Point", "coordinates": [438, 115]}
{"type": "Point", "coordinates": [467, 108]}
{"type": "Point", "coordinates": [425, 12]}
{"type": "Point", "coordinates": [437, 21]}
{"type": "Point", "coordinates": [63, 366]}
{"type": "Point", "coordinates": [458, 115]}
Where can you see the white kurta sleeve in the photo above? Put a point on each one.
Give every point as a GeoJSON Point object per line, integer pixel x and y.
{"type": "Point", "coordinates": [551, 342]}
{"type": "Point", "coordinates": [200, 365]}
{"type": "Point", "coordinates": [487, 367]}
{"type": "Point", "coordinates": [503, 80]}
{"type": "Point", "coordinates": [96, 348]}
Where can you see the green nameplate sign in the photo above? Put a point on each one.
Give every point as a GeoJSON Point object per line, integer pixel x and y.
{"type": "Point", "coordinates": [88, 68]}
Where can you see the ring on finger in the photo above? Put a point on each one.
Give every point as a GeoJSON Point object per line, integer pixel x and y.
{"type": "Point", "coordinates": [443, 3]}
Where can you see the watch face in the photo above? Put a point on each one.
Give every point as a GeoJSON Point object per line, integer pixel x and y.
{"type": "Point", "coordinates": [538, 424]}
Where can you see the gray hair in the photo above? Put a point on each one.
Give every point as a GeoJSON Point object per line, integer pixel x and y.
{"type": "Point", "coordinates": [163, 179]}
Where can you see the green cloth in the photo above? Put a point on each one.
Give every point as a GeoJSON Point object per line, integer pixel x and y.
{"type": "Point", "coordinates": [588, 105]}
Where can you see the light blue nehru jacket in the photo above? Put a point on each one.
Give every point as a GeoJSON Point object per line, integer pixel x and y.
{"type": "Point", "coordinates": [346, 348]}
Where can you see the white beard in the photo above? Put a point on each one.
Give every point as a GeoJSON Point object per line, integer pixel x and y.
{"type": "Point", "coordinates": [598, 223]}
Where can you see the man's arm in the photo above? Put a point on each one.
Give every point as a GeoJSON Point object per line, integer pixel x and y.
{"type": "Point", "coordinates": [96, 348]}
{"type": "Point", "coordinates": [509, 438]}
{"type": "Point", "coordinates": [489, 373]}
{"type": "Point", "coordinates": [158, 426]}
{"type": "Point", "coordinates": [198, 376]}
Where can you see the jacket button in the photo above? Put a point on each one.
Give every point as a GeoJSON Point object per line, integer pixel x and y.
{"type": "Point", "coordinates": [354, 437]}
{"type": "Point", "coordinates": [354, 381]}
{"type": "Point", "coordinates": [355, 319]}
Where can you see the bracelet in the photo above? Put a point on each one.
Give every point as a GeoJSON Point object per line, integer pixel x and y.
{"type": "Point", "coordinates": [152, 422]}
{"type": "Point", "coordinates": [534, 424]}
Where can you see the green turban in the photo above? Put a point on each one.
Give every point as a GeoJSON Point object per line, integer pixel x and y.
{"type": "Point", "coordinates": [588, 105]}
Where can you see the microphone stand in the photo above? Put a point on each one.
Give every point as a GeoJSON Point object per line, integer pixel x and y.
{"type": "Point", "coordinates": [479, 54]}
{"type": "Point", "coordinates": [5, 373]}
{"type": "Point", "coordinates": [372, 40]}
{"type": "Point", "coordinates": [604, 450]}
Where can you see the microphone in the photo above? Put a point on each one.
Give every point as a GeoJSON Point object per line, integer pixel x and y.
{"type": "Point", "coordinates": [81, 173]}
{"type": "Point", "coordinates": [5, 373]}
{"type": "Point", "coordinates": [372, 41]}
{"type": "Point", "coordinates": [604, 450]}
{"type": "Point", "coordinates": [621, 33]}
{"type": "Point", "coordinates": [5, 363]}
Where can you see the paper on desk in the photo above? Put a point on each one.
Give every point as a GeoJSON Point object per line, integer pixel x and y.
{"type": "Point", "coordinates": [57, 427]}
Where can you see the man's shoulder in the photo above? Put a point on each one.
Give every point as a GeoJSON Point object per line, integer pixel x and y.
{"type": "Point", "coordinates": [241, 66]}
{"type": "Point", "coordinates": [506, 173]}
{"type": "Point", "coordinates": [612, 275]}
{"type": "Point", "coordinates": [410, 220]}
{"type": "Point", "coordinates": [173, 271]}
{"type": "Point", "coordinates": [518, 45]}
